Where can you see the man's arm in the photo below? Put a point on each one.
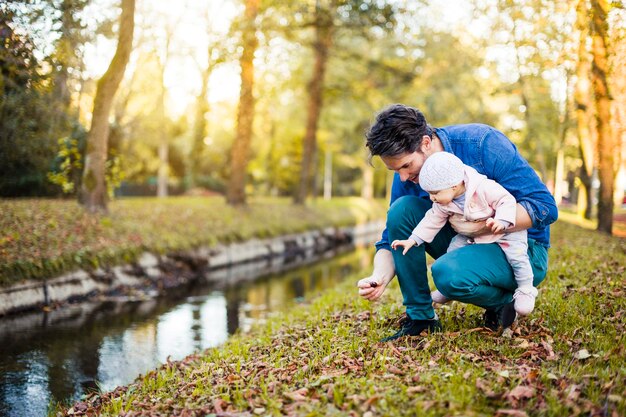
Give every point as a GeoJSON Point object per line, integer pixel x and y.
{"type": "Point", "coordinates": [503, 164]}
{"type": "Point", "coordinates": [522, 220]}
{"type": "Point", "coordinates": [383, 273]}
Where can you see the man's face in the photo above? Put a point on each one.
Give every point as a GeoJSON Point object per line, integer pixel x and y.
{"type": "Point", "coordinates": [407, 165]}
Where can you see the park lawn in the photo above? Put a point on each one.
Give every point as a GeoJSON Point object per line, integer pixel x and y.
{"type": "Point", "coordinates": [324, 359]}
{"type": "Point", "coordinates": [43, 238]}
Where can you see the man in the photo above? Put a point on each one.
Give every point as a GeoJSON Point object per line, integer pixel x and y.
{"type": "Point", "coordinates": [478, 274]}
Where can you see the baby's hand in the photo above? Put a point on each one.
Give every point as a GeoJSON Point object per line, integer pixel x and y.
{"type": "Point", "coordinates": [406, 244]}
{"type": "Point", "coordinates": [495, 225]}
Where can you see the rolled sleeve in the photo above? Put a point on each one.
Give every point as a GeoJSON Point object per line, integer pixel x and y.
{"type": "Point", "coordinates": [383, 243]}
{"type": "Point", "coordinates": [540, 214]}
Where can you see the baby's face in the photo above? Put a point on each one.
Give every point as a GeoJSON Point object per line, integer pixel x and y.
{"type": "Point", "coordinates": [446, 195]}
{"type": "Point", "coordinates": [443, 197]}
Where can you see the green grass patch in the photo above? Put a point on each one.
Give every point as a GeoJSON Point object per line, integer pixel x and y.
{"type": "Point", "coordinates": [43, 238]}
{"type": "Point", "coordinates": [324, 358]}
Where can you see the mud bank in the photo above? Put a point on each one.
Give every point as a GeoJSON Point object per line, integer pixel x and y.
{"type": "Point", "coordinates": [154, 273]}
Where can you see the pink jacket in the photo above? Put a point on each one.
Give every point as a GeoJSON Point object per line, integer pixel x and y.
{"type": "Point", "coordinates": [484, 198]}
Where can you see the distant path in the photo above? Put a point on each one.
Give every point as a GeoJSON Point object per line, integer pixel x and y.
{"type": "Point", "coordinates": [619, 225]}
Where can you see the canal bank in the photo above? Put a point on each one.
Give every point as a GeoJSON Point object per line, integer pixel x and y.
{"type": "Point", "coordinates": [170, 264]}
{"type": "Point", "coordinates": [153, 274]}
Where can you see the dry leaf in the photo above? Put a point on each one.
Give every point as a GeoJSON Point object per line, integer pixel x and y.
{"type": "Point", "coordinates": [514, 413]}
{"type": "Point", "coordinates": [416, 389]}
{"type": "Point", "coordinates": [521, 391]}
{"type": "Point", "coordinates": [582, 354]}
{"type": "Point", "coordinates": [298, 395]}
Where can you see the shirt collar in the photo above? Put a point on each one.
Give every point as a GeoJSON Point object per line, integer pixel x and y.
{"type": "Point", "coordinates": [444, 139]}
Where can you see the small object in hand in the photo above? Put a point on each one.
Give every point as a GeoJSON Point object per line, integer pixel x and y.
{"type": "Point", "coordinates": [373, 284]}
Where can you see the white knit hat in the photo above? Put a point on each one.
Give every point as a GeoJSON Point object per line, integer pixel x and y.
{"type": "Point", "coordinates": [441, 170]}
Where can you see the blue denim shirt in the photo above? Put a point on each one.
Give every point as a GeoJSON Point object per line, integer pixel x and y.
{"type": "Point", "coordinates": [491, 153]}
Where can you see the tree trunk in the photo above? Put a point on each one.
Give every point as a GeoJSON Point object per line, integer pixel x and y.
{"type": "Point", "coordinates": [559, 176]}
{"type": "Point", "coordinates": [606, 145]}
{"type": "Point", "coordinates": [323, 33]}
{"type": "Point", "coordinates": [162, 173]}
{"type": "Point", "coordinates": [328, 175]}
{"type": "Point", "coordinates": [582, 106]}
{"type": "Point", "coordinates": [236, 194]}
{"type": "Point", "coordinates": [199, 128]}
{"type": "Point", "coordinates": [367, 191]}
{"type": "Point", "coordinates": [94, 190]}
{"type": "Point", "coordinates": [585, 191]}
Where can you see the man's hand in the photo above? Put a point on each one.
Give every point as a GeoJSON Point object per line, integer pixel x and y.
{"type": "Point", "coordinates": [406, 244]}
{"type": "Point", "coordinates": [372, 287]}
{"type": "Point", "coordinates": [496, 226]}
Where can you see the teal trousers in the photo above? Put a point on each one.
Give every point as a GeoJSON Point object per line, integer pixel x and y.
{"type": "Point", "coordinates": [477, 274]}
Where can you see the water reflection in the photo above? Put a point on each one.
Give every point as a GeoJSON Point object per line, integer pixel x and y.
{"type": "Point", "coordinates": [60, 356]}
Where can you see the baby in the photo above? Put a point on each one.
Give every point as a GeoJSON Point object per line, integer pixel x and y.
{"type": "Point", "coordinates": [469, 200]}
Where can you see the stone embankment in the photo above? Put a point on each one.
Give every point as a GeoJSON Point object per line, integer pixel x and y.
{"type": "Point", "coordinates": [153, 273]}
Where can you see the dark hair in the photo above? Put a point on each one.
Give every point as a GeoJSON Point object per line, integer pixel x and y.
{"type": "Point", "coordinates": [398, 129]}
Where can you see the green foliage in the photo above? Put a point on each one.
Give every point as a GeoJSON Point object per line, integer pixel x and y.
{"type": "Point", "coordinates": [324, 358]}
{"type": "Point", "coordinates": [69, 161]}
{"type": "Point", "coordinates": [34, 92]}
{"type": "Point", "coordinates": [43, 238]}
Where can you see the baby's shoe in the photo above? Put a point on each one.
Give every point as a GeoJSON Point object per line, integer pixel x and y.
{"type": "Point", "coordinates": [438, 297]}
{"type": "Point", "coordinates": [525, 299]}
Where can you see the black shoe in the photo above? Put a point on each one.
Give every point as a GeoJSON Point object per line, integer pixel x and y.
{"type": "Point", "coordinates": [501, 318]}
{"type": "Point", "coordinates": [490, 319]}
{"type": "Point", "coordinates": [415, 328]}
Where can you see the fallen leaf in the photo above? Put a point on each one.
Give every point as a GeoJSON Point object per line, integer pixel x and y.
{"type": "Point", "coordinates": [514, 413]}
{"type": "Point", "coordinates": [521, 391]}
{"type": "Point", "coordinates": [548, 347]}
{"type": "Point", "coordinates": [219, 405]}
{"type": "Point", "coordinates": [482, 385]}
{"type": "Point", "coordinates": [371, 400]}
{"type": "Point", "coordinates": [574, 393]}
{"type": "Point", "coordinates": [298, 395]}
{"type": "Point", "coordinates": [395, 370]}
{"type": "Point", "coordinates": [582, 354]}
{"type": "Point", "coordinates": [416, 389]}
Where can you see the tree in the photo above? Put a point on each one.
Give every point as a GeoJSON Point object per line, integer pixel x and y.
{"type": "Point", "coordinates": [606, 146]}
{"type": "Point", "coordinates": [215, 56]}
{"type": "Point", "coordinates": [236, 194]}
{"type": "Point", "coordinates": [328, 19]}
{"type": "Point", "coordinates": [38, 78]}
{"type": "Point", "coordinates": [26, 148]}
{"type": "Point", "coordinates": [94, 191]}
{"type": "Point", "coordinates": [323, 39]}
{"type": "Point", "coordinates": [583, 106]}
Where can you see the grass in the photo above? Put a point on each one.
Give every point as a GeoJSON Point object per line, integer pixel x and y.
{"type": "Point", "coordinates": [42, 238]}
{"type": "Point", "coordinates": [324, 358]}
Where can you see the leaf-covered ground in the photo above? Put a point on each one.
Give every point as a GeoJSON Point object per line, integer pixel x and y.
{"type": "Point", "coordinates": [324, 359]}
{"type": "Point", "coordinates": [42, 238]}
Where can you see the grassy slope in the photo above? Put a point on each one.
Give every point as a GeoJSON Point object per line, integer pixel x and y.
{"type": "Point", "coordinates": [324, 359]}
{"type": "Point", "coordinates": [43, 238]}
